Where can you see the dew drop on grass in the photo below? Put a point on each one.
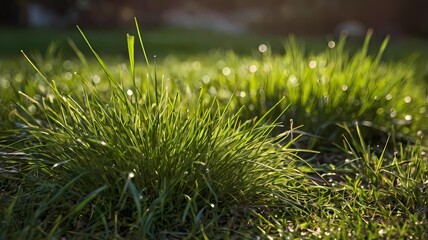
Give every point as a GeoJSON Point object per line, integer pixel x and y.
{"type": "Point", "coordinates": [103, 143]}
{"type": "Point", "coordinates": [331, 44]}
{"type": "Point", "coordinates": [408, 117]}
{"type": "Point", "coordinates": [60, 163]}
{"type": "Point", "coordinates": [344, 87]}
{"type": "Point", "coordinates": [388, 96]}
{"type": "Point", "coordinates": [312, 64]}
{"type": "Point", "coordinates": [129, 92]}
{"type": "Point", "coordinates": [131, 175]}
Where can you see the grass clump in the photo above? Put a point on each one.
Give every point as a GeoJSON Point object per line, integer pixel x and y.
{"type": "Point", "coordinates": [141, 167]}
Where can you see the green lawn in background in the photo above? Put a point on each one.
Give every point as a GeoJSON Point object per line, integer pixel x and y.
{"type": "Point", "coordinates": [166, 41]}
{"type": "Point", "coordinates": [220, 137]}
{"type": "Point", "coordinates": [161, 41]}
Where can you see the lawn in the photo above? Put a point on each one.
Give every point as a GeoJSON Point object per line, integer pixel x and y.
{"type": "Point", "coordinates": [250, 137]}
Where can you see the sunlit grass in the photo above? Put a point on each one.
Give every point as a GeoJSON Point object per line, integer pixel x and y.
{"type": "Point", "coordinates": [213, 147]}
{"type": "Point", "coordinates": [323, 89]}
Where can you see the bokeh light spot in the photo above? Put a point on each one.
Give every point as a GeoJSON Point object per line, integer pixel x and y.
{"type": "Point", "coordinates": [408, 99]}
{"type": "Point", "coordinates": [96, 79]}
{"type": "Point", "coordinates": [129, 92]}
{"type": "Point", "coordinates": [68, 75]}
{"type": "Point", "coordinates": [293, 80]}
{"type": "Point", "coordinates": [67, 64]}
{"type": "Point", "coordinates": [206, 79]}
{"type": "Point", "coordinates": [4, 83]}
{"type": "Point", "coordinates": [263, 48]}
{"type": "Point", "coordinates": [253, 68]}
{"type": "Point", "coordinates": [226, 71]}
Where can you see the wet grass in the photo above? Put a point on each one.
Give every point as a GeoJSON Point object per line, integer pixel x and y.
{"type": "Point", "coordinates": [326, 144]}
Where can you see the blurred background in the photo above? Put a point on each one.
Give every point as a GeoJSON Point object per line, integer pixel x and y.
{"type": "Point", "coordinates": [301, 17]}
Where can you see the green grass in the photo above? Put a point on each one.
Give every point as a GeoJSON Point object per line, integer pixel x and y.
{"type": "Point", "coordinates": [161, 41]}
{"type": "Point", "coordinates": [323, 144]}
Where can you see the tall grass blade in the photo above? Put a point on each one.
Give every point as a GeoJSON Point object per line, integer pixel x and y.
{"type": "Point", "coordinates": [130, 41]}
{"type": "Point", "coordinates": [100, 61]}
{"type": "Point", "coordinates": [79, 53]}
{"type": "Point", "coordinates": [141, 42]}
